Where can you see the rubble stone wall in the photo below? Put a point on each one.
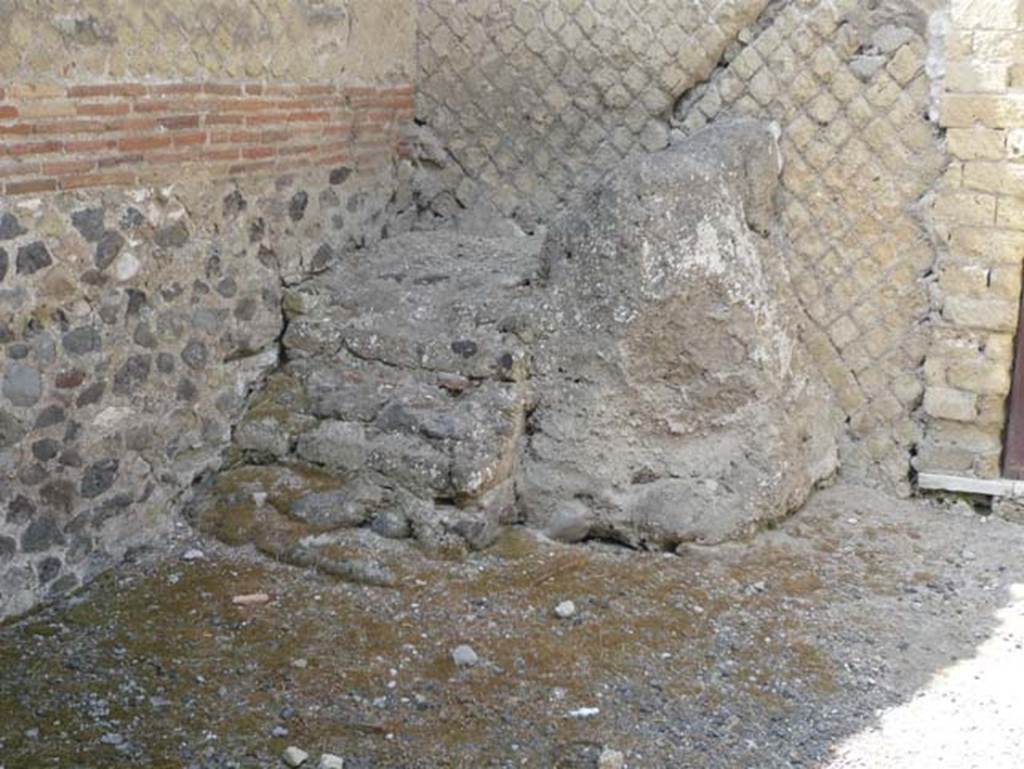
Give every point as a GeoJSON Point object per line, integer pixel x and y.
{"type": "Point", "coordinates": [167, 169]}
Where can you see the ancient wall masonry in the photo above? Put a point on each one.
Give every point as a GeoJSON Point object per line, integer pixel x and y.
{"type": "Point", "coordinates": [129, 133]}
{"type": "Point", "coordinates": [535, 97]}
{"type": "Point", "coordinates": [173, 173]}
{"type": "Point", "coordinates": [276, 41]}
{"type": "Point", "coordinates": [849, 90]}
{"type": "Point", "coordinates": [637, 376]}
{"type": "Point", "coordinates": [167, 169]}
{"type": "Point", "coordinates": [851, 94]}
{"type": "Point", "coordinates": [979, 222]}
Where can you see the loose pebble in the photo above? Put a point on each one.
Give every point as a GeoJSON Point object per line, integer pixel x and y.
{"type": "Point", "coordinates": [193, 554]}
{"type": "Point", "coordinates": [565, 610]}
{"type": "Point", "coordinates": [584, 712]}
{"type": "Point", "coordinates": [251, 599]}
{"type": "Point", "coordinates": [331, 761]}
{"type": "Point", "coordinates": [611, 759]}
{"type": "Point", "coordinates": [294, 756]}
{"type": "Point", "coordinates": [464, 656]}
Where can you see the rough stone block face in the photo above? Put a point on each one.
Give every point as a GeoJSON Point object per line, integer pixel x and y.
{"type": "Point", "coordinates": [166, 170]}
{"type": "Point", "coordinates": [442, 384]}
{"type": "Point", "coordinates": [850, 92]}
{"type": "Point", "coordinates": [980, 269]}
{"type": "Point", "coordinates": [859, 154]}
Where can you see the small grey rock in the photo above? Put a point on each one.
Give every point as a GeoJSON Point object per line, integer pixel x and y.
{"type": "Point", "coordinates": [331, 761]}
{"type": "Point", "coordinates": [294, 756]}
{"type": "Point", "coordinates": [464, 657]}
{"type": "Point", "coordinates": [565, 610]}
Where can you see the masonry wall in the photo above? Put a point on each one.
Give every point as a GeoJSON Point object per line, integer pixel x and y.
{"type": "Point", "coordinates": [979, 215]}
{"type": "Point", "coordinates": [542, 96]}
{"type": "Point", "coordinates": [166, 168]}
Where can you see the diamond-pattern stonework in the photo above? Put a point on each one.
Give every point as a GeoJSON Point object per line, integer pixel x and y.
{"type": "Point", "coordinates": [43, 40]}
{"type": "Point", "coordinates": [535, 96]}
{"type": "Point", "coordinates": [851, 96]}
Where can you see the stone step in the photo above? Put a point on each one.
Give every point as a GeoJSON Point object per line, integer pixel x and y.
{"type": "Point", "coordinates": [404, 396]}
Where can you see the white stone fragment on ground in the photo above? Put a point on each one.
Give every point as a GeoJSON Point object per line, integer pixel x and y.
{"type": "Point", "coordinates": [294, 756]}
{"type": "Point", "coordinates": [565, 610]}
{"type": "Point", "coordinates": [584, 712]}
{"type": "Point", "coordinates": [250, 599]}
{"type": "Point", "coordinates": [193, 554]}
{"type": "Point", "coordinates": [464, 656]}
{"type": "Point", "coordinates": [611, 759]}
{"type": "Point", "coordinates": [331, 761]}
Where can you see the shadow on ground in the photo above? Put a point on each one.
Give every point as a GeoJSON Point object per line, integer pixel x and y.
{"type": "Point", "coordinates": [765, 654]}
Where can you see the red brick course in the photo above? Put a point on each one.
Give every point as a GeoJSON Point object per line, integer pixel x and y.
{"type": "Point", "coordinates": [54, 138]}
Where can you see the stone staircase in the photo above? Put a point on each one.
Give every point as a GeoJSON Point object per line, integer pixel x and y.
{"type": "Point", "coordinates": [401, 404]}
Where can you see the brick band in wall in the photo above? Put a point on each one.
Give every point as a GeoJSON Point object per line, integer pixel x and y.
{"type": "Point", "coordinates": [62, 138]}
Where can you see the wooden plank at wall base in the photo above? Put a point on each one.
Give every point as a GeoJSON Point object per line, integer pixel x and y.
{"type": "Point", "coordinates": [989, 487]}
{"type": "Point", "coordinates": [154, 132]}
{"type": "Point", "coordinates": [1013, 450]}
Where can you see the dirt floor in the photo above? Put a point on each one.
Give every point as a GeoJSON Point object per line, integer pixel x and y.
{"type": "Point", "coordinates": [763, 654]}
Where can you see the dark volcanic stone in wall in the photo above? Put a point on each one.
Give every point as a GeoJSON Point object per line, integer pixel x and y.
{"type": "Point", "coordinates": [133, 373]}
{"type": "Point", "coordinates": [51, 415]}
{"type": "Point", "coordinates": [48, 569]}
{"type": "Point", "coordinates": [132, 219]}
{"type": "Point", "coordinates": [4, 261]}
{"type": "Point", "coordinates": [142, 286]}
{"type": "Point", "coordinates": [297, 206]}
{"type": "Point", "coordinates": [82, 340]}
{"type": "Point", "coordinates": [89, 223]}
{"type": "Point", "coordinates": [91, 394]}
{"type": "Point", "coordinates": [108, 248]}
{"type": "Point", "coordinates": [99, 477]}
{"type": "Point", "coordinates": [173, 236]}
{"type": "Point", "coordinates": [20, 510]}
{"type": "Point", "coordinates": [10, 227]}
{"type": "Point", "coordinates": [22, 385]}
{"type": "Point", "coordinates": [195, 354]}
{"type": "Point", "coordinates": [340, 175]}
{"type": "Point", "coordinates": [42, 534]}
{"type": "Point", "coordinates": [32, 258]}
{"type": "Point", "coordinates": [11, 430]}
{"type": "Point", "coordinates": [59, 495]}
{"type": "Point", "coordinates": [46, 449]}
